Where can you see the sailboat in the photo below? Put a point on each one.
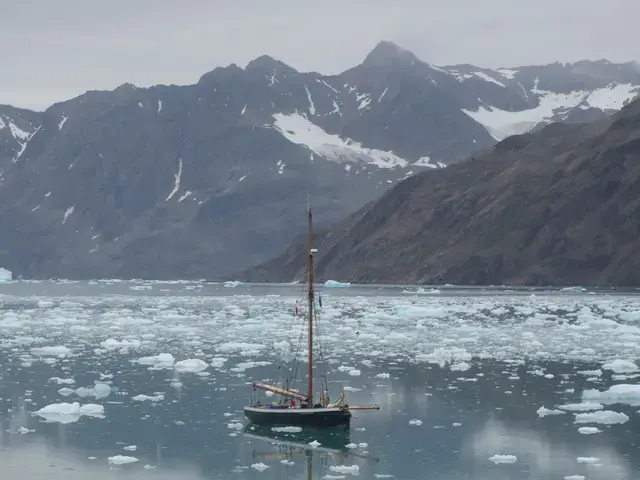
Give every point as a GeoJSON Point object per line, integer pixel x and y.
{"type": "Point", "coordinates": [298, 408]}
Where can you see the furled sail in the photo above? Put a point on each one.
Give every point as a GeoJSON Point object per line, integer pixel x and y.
{"type": "Point", "coordinates": [280, 391]}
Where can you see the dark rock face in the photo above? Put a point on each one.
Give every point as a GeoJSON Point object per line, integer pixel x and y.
{"type": "Point", "coordinates": [203, 180]}
{"type": "Point", "coordinates": [554, 207]}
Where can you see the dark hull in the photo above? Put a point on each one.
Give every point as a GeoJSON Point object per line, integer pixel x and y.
{"type": "Point", "coordinates": [310, 418]}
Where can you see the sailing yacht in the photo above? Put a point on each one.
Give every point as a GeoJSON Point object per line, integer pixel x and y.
{"type": "Point", "coordinates": [301, 408]}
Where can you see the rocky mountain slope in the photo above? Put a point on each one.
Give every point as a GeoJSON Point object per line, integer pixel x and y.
{"type": "Point", "coordinates": [199, 181]}
{"type": "Point", "coordinates": [558, 206]}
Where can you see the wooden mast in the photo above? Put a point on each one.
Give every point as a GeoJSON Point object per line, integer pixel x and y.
{"type": "Point", "coordinates": [310, 284]}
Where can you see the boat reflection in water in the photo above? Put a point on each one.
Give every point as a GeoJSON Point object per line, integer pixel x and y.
{"type": "Point", "coordinates": [321, 448]}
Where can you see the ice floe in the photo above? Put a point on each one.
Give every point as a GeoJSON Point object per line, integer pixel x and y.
{"type": "Point", "coordinates": [69, 412]}
{"type": "Point", "coordinates": [336, 284]}
{"type": "Point", "coordinates": [121, 460]}
{"type": "Point", "coordinates": [621, 366]}
{"type": "Point", "coordinates": [5, 275]}
{"type": "Point", "coordinates": [191, 365]}
{"type": "Point", "coordinates": [604, 417]}
{"type": "Point", "coordinates": [149, 398]}
{"type": "Point", "coordinates": [348, 469]}
{"type": "Point", "coordinates": [160, 361]}
{"type": "Point", "coordinates": [621, 393]}
{"type": "Point", "coordinates": [589, 430]}
{"type": "Point", "coordinates": [498, 459]}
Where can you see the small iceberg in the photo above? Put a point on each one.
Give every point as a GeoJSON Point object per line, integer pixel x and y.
{"type": "Point", "coordinates": [191, 365]}
{"type": "Point", "coordinates": [69, 412]}
{"type": "Point", "coordinates": [5, 275]}
{"type": "Point", "coordinates": [233, 283]}
{"type": "Point", "coordinates": [335, 284]}
{"type": "Point", "coordinates": [421, 290]}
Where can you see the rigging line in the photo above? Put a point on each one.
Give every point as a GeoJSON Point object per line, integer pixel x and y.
{"type": "Point", "coordinates": [296, 352]}
{"type": "Point", "coordinates": [291, 376]}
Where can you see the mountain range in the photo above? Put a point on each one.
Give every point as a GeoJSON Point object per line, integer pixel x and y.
{"type": "Point", "coordinates": [203, 180]}
{"type": "Point", "coordinates": [558, 206]}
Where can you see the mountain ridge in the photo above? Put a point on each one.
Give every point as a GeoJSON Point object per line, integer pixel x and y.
{"type": "Point", "coordinates": [551, 207]}
{"type": "Point", "coordinates": [204, 180]}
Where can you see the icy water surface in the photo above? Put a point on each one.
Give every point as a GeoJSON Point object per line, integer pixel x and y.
{"type": "Point", "coordinates": [474, 384]}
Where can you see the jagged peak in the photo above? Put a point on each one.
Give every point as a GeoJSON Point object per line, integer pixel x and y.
{"type": "Point", "coordinates": [387, 53]}
{"type": "Point", "coordinates": [267, 63]}
{"type": "Point", "coordinates": [126, 86]}
{"type": "Point", "coordinates": [229, 70]}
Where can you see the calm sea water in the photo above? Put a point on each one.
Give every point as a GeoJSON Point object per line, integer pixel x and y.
{"type": "Point", "coordinates": [481, 384]}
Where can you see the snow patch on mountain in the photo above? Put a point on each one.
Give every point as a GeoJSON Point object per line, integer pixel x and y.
{"type": "Point", "coordinates": [489, 79]}
{"type": "Point", "coordinates": [612, 97]}
{"type": "Point", "coordinates": [17, 132]}
{"type": "Point", "coordinates": [299, 130]}
{"type": "Point", "coordinates": [502, 123]}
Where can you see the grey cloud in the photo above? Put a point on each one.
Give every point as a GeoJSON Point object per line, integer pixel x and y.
{"type": "Point", "coordinates": [54, 50]}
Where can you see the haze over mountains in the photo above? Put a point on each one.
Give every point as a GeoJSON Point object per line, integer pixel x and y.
{"type": "Point", "coordinates": [204, 180]}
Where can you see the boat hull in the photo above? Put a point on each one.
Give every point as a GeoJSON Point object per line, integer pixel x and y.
{"type": "Point", "coordinates": [315, 417]}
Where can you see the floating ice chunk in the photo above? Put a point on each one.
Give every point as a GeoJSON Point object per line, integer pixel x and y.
{"type": "Point", "coordinates": [260, 467]}
{"type": "Point", "coordinates": [240, 346]}
{"type": "Point", "coordinates": [336, 284]}
{"type": "Point", "coordinates": [218, 362]}
{"type": "Point", "coordinates": [589, 430]}
{"type": "Point", "coordinates": [460, 367]}
{"type": "Point", "coordinates": [287, 429]}
{"type": "Point", "coordinates": [69, 412]}
{"type": "Point", "coordinates": [121, 460]}
{"type": "Point", "coordinates": [623, 393]}
{"type": "Point", "coordinates": [235, 425]}
{"type": "Point", "coordinates": [605, 417]}
{"type": "Point", "coordinates": [233, 283]}
{"type": "Point", "coordinates": [66, 391]}
{"type": "Point", "coordinates": [351, 445]}
{"type": "Point", "coordinates": [162, 360]}
{"type": "Point", "coordinates": [575, 477]}
{"type": "Point", "coordinates": [5, 275]}
{"type": "Point", "coordinates": [314, 444]}
{"type": "Point", "coordinates": [99, 390]}
{"type": "Point", "coordinates": [442, 356]}
{"type": "Point", "coordinates": [130, 448]}
{"type": "Point", "coordinates": [581, 407]}
{"type": "Point", "coordinates": [348, 469]}
{"type": "Point", "coordinates": [242, 366]}
{"type": "Point", "coordinates": [589, 460]}
{"type": "Point", "coordinates": [149, 467]}
{"type": "Point", "coordinates": [382, 375]}
{"type": "Point", "coordinates": [415, 421]}
{"type": "Point", "coordinates": [24, 431]}
{"type": "Point", "coordinates": [497, 459]}
{"type": "Point", "coordinates": [62, 381]}
{"type": "Point", "coordinates": [57, 351]}
{"type": "Point", "coordinates": [191, 365]}
{"type": "Point", "coordinates": [151, 398]}
{"type": "Point", "coordinates": [113, 344]}
{"type": "Point", "coordinates": [621, 366]}
{"type": "Point", "coordinates": [543, 412]}
{"type": "Point", "coordinates": [287, 462]}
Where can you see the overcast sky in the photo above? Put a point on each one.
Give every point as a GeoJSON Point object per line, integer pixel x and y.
{"type": "Point", "coordinates": [53, 50]}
